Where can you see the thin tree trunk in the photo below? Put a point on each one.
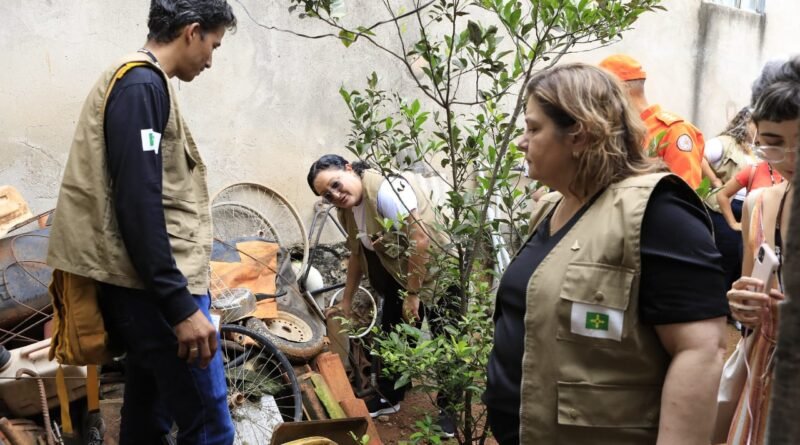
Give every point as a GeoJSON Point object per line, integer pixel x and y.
{"type": "Point", "coordinates": [784, 428]}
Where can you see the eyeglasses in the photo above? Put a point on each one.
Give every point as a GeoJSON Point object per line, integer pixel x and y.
{"type": "Point", "coordinates": [336, 186]}
{"type": "Point", "coordinates": [772, 153]}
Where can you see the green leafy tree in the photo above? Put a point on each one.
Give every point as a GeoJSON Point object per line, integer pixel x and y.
{"type": "Point", "coordinates": [470, 61]}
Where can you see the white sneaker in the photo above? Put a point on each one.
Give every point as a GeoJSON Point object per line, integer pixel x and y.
{"type": "Point", "coordinates": [379, 407]}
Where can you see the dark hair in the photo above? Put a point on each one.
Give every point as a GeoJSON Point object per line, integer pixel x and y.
{"type": "Point", "coordinates": [168, 17]}
{"type": "Point", "coordinates": [791, 69]}
{"type": "Point", "coordinates": [737, 127]}
{"type": "Point", "coordinates": [779, 102]}
{"type": "Point", "coordinates": [335, 162]}
{"type": "Point", "coordinates": [769, 73]}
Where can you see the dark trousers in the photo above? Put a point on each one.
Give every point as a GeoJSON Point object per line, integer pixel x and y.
{"type": "Point", "coordinates": [160, 388]}
{"type": "Point", "coordinates": [729, 243]}
{"type": "Point", "coordinates": [504, 427]}
{"type": "Point", "coordinates": [438, 317]}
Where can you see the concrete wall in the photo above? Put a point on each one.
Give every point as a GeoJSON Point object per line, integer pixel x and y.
{"type": "Point", "coordinates": [270, 105]}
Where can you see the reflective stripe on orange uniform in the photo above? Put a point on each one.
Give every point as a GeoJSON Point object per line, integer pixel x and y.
{"type": "Point", "coordinates": [682, 146]}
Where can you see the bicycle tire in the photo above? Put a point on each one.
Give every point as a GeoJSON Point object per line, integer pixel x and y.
{"type": "Point", "coordinates": [245, 354]}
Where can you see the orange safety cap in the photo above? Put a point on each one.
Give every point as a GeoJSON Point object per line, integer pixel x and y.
{"type": "Point", "coordinates": [624, 67]}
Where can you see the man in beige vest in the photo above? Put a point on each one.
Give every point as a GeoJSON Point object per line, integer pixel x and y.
{"type": "Point", "coordinates": [133, 215]}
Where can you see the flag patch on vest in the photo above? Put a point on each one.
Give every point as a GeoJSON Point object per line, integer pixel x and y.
{"type": "Point", "coordinates": [591, 320]}
{"type": "Point", "coordinates": [150, 140]}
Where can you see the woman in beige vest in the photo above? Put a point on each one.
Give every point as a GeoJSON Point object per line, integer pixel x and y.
{"type": "Point", "coordinates": [394, 260]}
{"type": "Point", "coordinates": [727, 154]}
{"type": "Point", "coordinates": [609, 322]}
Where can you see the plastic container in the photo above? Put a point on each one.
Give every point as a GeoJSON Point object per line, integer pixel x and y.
{"type": "Point", "coordinates": [20, 397]}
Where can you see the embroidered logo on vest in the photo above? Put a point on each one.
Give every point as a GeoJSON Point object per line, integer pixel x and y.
{"type": "Point", "coordinates": [591, 320]}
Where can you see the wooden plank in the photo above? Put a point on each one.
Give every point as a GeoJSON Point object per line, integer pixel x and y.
{"type": "Point", "coordinates": [339, 342]}
{"type": "Point", "coordinates": [358, 408]}
{"type": "Point", "coordinates": [326, 397]}
{"type": "Point", "coordinates": [312, 408]}
{"type": "Point", "coordinates": [332, 369]}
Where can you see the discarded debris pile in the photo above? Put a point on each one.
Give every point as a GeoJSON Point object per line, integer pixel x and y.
{"type": "Point", "coordinates": [283, 346]}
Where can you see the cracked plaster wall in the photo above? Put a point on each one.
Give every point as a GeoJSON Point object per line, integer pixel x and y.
{"type": "Point", "coordinates": [270, 105]}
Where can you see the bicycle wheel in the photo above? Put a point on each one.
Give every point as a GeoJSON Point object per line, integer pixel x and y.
{"type": "Point", "coordinates": [365, 311]}
{"type": "Point", "coordinates": [235, 220]}
{"type": "Point", "coordinates": [274, 207]}
{"type": "Point", "coordinates": [262, 387]}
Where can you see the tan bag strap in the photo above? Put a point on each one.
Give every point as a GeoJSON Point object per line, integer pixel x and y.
{"type": "Point", "coordinates": [92, 388]}
{"type": "Point", "coordinates": [63, 400]}
{"type": "Point", "coordinates": [117, 76]}
{"type": "Point", "coordinates": [92, 395]}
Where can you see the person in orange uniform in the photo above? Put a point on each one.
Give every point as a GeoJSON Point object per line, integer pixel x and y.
{"type": "Point", "coordinates": [682, 146]}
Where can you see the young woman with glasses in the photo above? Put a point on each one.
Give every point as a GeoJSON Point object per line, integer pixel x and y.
{"type": "Point", "coordinates": [765, 221]}
{"type": "Point", "coordinates": [395, 259]}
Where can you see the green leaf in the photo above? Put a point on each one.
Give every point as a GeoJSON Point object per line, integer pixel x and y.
{"type": "Point", "coordinates": [475, 33]}
{"type": "Point", "coordinates": [704, 189]}
{"type": "Point", "coordinates": [364, 31]}
{"type": "Point", "coordinates": [347, 37]}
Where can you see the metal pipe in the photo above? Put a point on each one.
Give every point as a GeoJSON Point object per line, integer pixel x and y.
{"type": "Point", "coordinates": [45, 409]}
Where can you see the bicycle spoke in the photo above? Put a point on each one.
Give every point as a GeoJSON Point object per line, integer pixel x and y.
{"type": "Point", "coordinates": [262, 389]}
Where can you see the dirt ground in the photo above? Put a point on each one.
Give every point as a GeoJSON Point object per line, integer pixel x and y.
{"type": "Point", "coordinates": [396, 429]}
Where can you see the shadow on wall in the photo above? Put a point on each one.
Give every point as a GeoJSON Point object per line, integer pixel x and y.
{"type": "Point", "coordinates": [714, 22]}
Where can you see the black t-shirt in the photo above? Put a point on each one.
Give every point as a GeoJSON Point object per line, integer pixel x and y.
{"type": "Point", "coordinates": [682, 281]}
{"type": "Point", "coordinates": [136, 116]}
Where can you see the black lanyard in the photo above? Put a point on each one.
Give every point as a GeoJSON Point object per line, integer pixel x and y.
{"type": "Point", "coordinates": [771, 176]}
{"type": "Point", "coordinates": [779, 237]}
{"type": "Point", "coordinates": [149, 54]}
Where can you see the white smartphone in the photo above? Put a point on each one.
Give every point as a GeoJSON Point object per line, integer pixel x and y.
{"type": "Point", "coordinates": [764, 267]}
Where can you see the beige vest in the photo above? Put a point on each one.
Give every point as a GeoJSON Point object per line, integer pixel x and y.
{"type": "Point", "coordinates": [578, 389]}
{"type": "Point", "coordinates": [85, 238]}
{"type": "Point", "coordinates": [392, 250]}
{"type": "Point", "coordinates": [733, 159]}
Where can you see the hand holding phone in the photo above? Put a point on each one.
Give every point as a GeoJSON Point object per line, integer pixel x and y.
{"type": "Point", "coordinates": [764, 267]}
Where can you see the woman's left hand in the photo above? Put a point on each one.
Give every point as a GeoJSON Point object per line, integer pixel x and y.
{"type": "Point", "coordinates": [411, 308]}
{"type": "Point", "coordinates": [748, 303]}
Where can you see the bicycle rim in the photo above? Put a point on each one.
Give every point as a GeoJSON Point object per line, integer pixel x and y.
{"type": "Point", "coordinates": [262, 387]}
{"type": "Point", "coordinates": [235, 220]}
{"type": "Point", "coordinates": [364, 300]}
{"type": "Point", "coordinates": [274, 207]}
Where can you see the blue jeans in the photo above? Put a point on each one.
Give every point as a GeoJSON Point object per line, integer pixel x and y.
{"type": "Point", "coordinates": [160, 388]}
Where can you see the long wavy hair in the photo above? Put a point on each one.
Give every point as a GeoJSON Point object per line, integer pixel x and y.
{"type": "Point", "coordinates": [737, 127]}
{"type": "Point", "coordinates": [582, 98]}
